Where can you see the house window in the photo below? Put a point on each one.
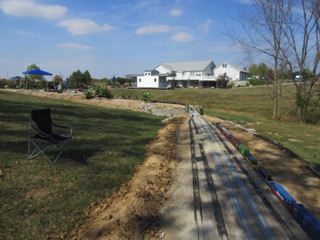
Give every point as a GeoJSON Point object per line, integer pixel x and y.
{"type": "Point", "coordinates": [155, 80]}
{"type": "Point", "coordinates": [224, 65]}
{"type": "Point", "coordinates": [139, 79]}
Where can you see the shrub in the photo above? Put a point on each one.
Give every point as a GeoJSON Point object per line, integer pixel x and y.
{"type": "Point", "coordinates": [146, 96]}
{"type": "Point", "coordinates": [89, 93]}
{"type": "Point", "coordinates": [97, 91]}
{"type": "Point", "coordinates": [257, 82]}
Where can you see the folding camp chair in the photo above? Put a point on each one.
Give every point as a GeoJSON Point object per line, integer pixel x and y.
{"type": "Point", "coordinates": [46, 137]}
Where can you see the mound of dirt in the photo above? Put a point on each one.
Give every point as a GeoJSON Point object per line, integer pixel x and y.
{"type": "Point", "coordinates": [160, 109]}
{"type": "Point", "coordinates": [132, 211]}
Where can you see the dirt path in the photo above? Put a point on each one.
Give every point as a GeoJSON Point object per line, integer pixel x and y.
{"type": "Point", "coordinates": [133, 212]}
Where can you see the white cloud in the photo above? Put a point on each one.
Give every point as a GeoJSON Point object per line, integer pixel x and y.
{"type": "Point", "coordinates": [75, 46]}
{"type": "Point", "coordinates": [205, 27]}
{"type": "Point", "coordinates": [30, 8]}
{"type": "Point", "coordinates": [153, 29]}
{"type": "Point", "coordinates": [176, 12]}
{"type": "Point", "coordinates": [182, 37]}
{"type": "Point", "coordinates": [83, 26]}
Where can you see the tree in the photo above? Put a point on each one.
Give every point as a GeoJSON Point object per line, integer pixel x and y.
{"type": "Point", "coordinates": [258, 70]}
{"type": "Point", "coordinates": [222, 81]}
{"type": "Point", "coordinates": [263, 69]}
{"type": "Point", "coordinates": [80, 80]}
{"type": "Point", "coordinates": [87, 78]}
{"type": "Point", "coordinates": [275, 29]}
{"type": "Point", "coordinates": [253, 70]}
{"type": "Point", "coordinates": [57, 79]}
{"type": "Point", "coordinates": [303, 38]}
{"type": "Point", "coordinates": [270, 74]}
{"type": "Point", "coordinates": [32, 77]}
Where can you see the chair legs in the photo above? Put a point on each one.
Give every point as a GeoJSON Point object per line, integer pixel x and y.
{"type": "Point", "coordinates": [36, 147]}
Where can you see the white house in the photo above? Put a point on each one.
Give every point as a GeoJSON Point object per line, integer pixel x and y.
{"type": "Point", "coordinates": [187, 74]}
{"type": "Point", "coordinates": [234, 73]}
{"type": "Point", "coordinates": [151, 79]}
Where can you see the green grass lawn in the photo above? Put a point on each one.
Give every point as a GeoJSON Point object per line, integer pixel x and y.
{"type": "Point", "coordinates": [42, 201]}
{"type": "Point", "coordinates": [252, 108]}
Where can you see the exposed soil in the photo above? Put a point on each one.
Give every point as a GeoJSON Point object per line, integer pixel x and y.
{"type": "Point", "coordinates": [133, 211]}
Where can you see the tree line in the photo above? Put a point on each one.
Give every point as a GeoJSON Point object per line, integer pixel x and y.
{"type": "Point", "coordinates": [264, 72]}
{"type": "Point", "coordinates": [76, 80]}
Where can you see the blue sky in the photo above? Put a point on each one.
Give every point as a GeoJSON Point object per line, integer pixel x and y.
{"type": "Point", "coordinates": [114, 37]}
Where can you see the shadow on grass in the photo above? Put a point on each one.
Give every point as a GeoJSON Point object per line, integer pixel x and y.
{"type": "Point", "coordinates": [95, 129]}
{"type": "Point", "coordinates": [107, 145]}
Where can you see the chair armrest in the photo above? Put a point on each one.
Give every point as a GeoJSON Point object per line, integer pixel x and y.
{"type": "Point", "coordinates": [60, 126]}
{"type": "Point", "coordinates": [63, 127]}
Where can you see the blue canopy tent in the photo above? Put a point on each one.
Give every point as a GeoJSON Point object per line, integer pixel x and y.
{"type": "Point", "coordinates": [16, 77]}
{"type": "Point", "coordinates": [42, 73]}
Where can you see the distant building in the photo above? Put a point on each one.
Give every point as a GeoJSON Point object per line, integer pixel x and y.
{"type": "Point", "coordinates": [234, 73]}
{"type": "Point", "coordinates": [201, 74]}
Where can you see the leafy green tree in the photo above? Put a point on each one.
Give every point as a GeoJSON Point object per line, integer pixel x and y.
{"type": "Point", "coordinates": [253, 70]}
{"type": "Point", "coordinates": [121, 80]}
{"type": "Point", "coordinates": [75, 79]}
{"type": "Point", "coordinates": [57, 79]}
{"type": "Point", "coordinates": [258, 70]}
{"type": "Point", "coordinates": [80, 80]}
{"type": "Point", "coordinates": [32, 66]}
{"type": "Point", "coordinates": [87, 78]}
{"type": "Point", "coordinates": [263, 69]}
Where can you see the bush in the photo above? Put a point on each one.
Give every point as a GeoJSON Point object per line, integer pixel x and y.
{"type": "Point", "coordinates": [97, 91]}
{"type": "Point", "coordinates": [257, 82]}
{"type": "Point", "coordinates": [146, 96]}
{"type": "Point", "coordinates": [313, 113]}
{"type": "Point", "coordinates": [313, 116]}
{"type": "Point", "coordinates": [89, 93]}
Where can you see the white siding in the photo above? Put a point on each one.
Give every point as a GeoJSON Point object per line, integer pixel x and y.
{"type": "Point", "coordinates": [148, 81]}
{"type": "Point", "coordinates": [230, 71]}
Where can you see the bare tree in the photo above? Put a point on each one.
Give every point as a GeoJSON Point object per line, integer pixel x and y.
{"type": "Point", "coordinates": [263, 28]}
{"type": "Point", "coordinates": [302, 36]}
{"type": "Point", "coordinates": [287, 31]}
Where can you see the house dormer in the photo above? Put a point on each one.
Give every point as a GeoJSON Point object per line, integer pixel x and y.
{"type": "Point", "coordinates": [150, 72]}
